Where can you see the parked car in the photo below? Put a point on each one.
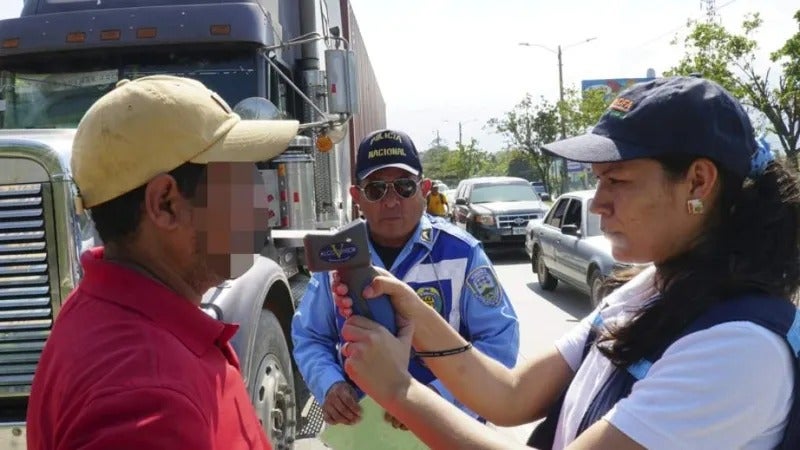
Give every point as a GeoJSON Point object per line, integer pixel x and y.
{"type": "Point", "coordinates": [541, 190]}
{"type": "Point", "coordinates": [496, 209]}
{"type": "Point", "coordinates": [567, 245]}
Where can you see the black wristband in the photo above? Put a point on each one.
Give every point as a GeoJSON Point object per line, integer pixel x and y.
{"type": "Point", "coordinates": [452, 351]}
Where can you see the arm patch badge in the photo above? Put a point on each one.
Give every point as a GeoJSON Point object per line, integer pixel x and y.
{"type": "Point", "coordinates": [484, 285]}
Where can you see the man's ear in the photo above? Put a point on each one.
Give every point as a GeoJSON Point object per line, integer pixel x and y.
{"type": "Point", "coordinates": [162, 202]}
{"type": "Point", "coordinates": [355, 193]}
{"type": "Point", "coordinates": [425, 186]}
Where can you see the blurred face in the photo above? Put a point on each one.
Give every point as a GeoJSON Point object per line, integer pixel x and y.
{"type": "Point", "coordinates": [644, 213]}
{"type": "Point", "coordinates": [392, 217]}
{"type": "Point", "coordinates": [228, 222]}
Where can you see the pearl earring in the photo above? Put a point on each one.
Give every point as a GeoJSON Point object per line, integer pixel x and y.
{"type": "Point", "coordinates": [695, 206]}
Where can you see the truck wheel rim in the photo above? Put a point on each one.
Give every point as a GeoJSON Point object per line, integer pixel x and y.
{"type": "Point", "coordinates": [275, 405]}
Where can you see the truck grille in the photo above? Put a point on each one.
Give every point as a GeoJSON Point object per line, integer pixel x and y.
{"type": "Point", "coordinates": [516, 220]}
{"type": "Point", "coordinates": [25, 309]}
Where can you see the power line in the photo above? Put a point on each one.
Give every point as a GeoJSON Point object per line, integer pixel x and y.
{"type": "Point", "coordinates": [704, 4]}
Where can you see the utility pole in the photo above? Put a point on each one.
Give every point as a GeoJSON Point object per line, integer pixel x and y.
{"type": "Point", "coordinates": [459, 134]}
{"type": "Point", "coordinates": [564, 172]}
{"type": "Point", "coordinates": [710, 8]}
{"type": "Point", "coordinates": [563, 124]}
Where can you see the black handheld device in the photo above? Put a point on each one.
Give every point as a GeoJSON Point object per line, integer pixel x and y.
{"type": "Point", "coordinates": [347, 251]}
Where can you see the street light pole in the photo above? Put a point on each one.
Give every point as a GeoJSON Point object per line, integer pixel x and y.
{"type": "Point", "coordinates": [561, 94]}
{"type": "Point", "coordinates": [561, 106]}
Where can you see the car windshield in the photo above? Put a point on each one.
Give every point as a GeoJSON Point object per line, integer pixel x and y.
{"type": "Point", "coordinates": [503, 193]}
{"type": "Point", "coordinates": [47, 96]}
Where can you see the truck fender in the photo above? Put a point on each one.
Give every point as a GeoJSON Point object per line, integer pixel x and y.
{"type": "Point", "coordinates": [240, 301]}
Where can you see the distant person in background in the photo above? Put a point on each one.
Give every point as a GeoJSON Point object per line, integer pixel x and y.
{"type": "Point", "coordinates": [437, 202]}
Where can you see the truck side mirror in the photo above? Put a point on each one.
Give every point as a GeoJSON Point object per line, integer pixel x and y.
{"type": "Point", "coordinates": [461, 201]}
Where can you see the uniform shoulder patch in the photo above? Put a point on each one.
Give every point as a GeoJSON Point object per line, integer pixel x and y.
{"type": "Point", "coordinates": [425, 235]}
{"type": "Point", "coordinates": [484, 285]}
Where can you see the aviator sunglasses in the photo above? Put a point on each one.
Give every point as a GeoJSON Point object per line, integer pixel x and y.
{"type": "Point", "coordinates": [376, 190]}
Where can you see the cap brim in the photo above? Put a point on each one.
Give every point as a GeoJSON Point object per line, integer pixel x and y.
{"type": "Point", "coordinates": [251, 141]}
{"type": "Point", "coordinates": [595, 148]}
{"type": "Point", "coordinates": [370, 171]}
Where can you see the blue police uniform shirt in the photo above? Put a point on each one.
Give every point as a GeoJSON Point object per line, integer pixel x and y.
{"type": "Point", "coordinates": [449, 270]}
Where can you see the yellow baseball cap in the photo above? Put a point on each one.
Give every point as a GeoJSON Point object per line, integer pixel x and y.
{"type": "Point", "coordinates": [154, 124]}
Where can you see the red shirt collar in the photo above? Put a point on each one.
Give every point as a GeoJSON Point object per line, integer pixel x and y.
{"type": "Point", "coordinates": [130, 289]}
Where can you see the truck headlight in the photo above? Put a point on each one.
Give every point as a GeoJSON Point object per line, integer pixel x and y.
{"type": "Point", "coordinates": [485, 219]}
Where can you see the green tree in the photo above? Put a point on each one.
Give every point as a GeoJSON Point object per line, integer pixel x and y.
{"type": "Point", "coordinates": [434, 160]}
{"type": "Point", "coordinates": [583, 110]}
{"type": "Point", "coordinates": [497, 164]}
{"type": "Point", "coordinates": [528, 126]}
{"type": "Point", "coordinates": [729, 59]}
{"type": "Point", "coordinates": [466, 161]}
{"type": "Point", "coordinates": [520, 165]}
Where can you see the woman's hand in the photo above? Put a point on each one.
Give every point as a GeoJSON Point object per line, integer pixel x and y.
{"type": "Point", "coordinates": [405, 301]}
{"type": "Point", "coordinates": [375, 360]}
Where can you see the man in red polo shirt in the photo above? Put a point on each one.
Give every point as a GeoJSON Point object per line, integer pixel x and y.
{"type": "Point", "coordinates": [166, 170]}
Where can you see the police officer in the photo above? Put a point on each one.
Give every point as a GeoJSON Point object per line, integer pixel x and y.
{"type": "Point", "coordinates": [445, 266]}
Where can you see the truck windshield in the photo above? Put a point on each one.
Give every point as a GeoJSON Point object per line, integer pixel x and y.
{"type": "Point", "coordinates": [36, 97]}
{"type": "Point", "coordinates": [503, 193]}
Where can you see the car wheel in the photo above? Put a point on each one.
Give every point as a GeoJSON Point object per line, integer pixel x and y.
{"type": "Point", "coordinates": [595, 288]}
{"type": "Point", "coordinates": [547, 281]}
{"type": "Point", "coordinates": [272, 383]}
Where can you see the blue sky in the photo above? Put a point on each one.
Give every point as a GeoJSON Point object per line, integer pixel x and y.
{"type": "Point", "coordinates": [439, 62]}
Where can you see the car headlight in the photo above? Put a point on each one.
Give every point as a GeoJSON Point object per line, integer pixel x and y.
{"type": "Point", "coordinates": [485, 219]}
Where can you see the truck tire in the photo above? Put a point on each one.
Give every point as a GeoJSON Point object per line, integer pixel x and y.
{"type": "Point", "coordinates": [272, 383]}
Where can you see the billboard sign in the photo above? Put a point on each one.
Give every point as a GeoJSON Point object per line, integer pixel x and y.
{"type": "Point", "coordinates": [611, 86]}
